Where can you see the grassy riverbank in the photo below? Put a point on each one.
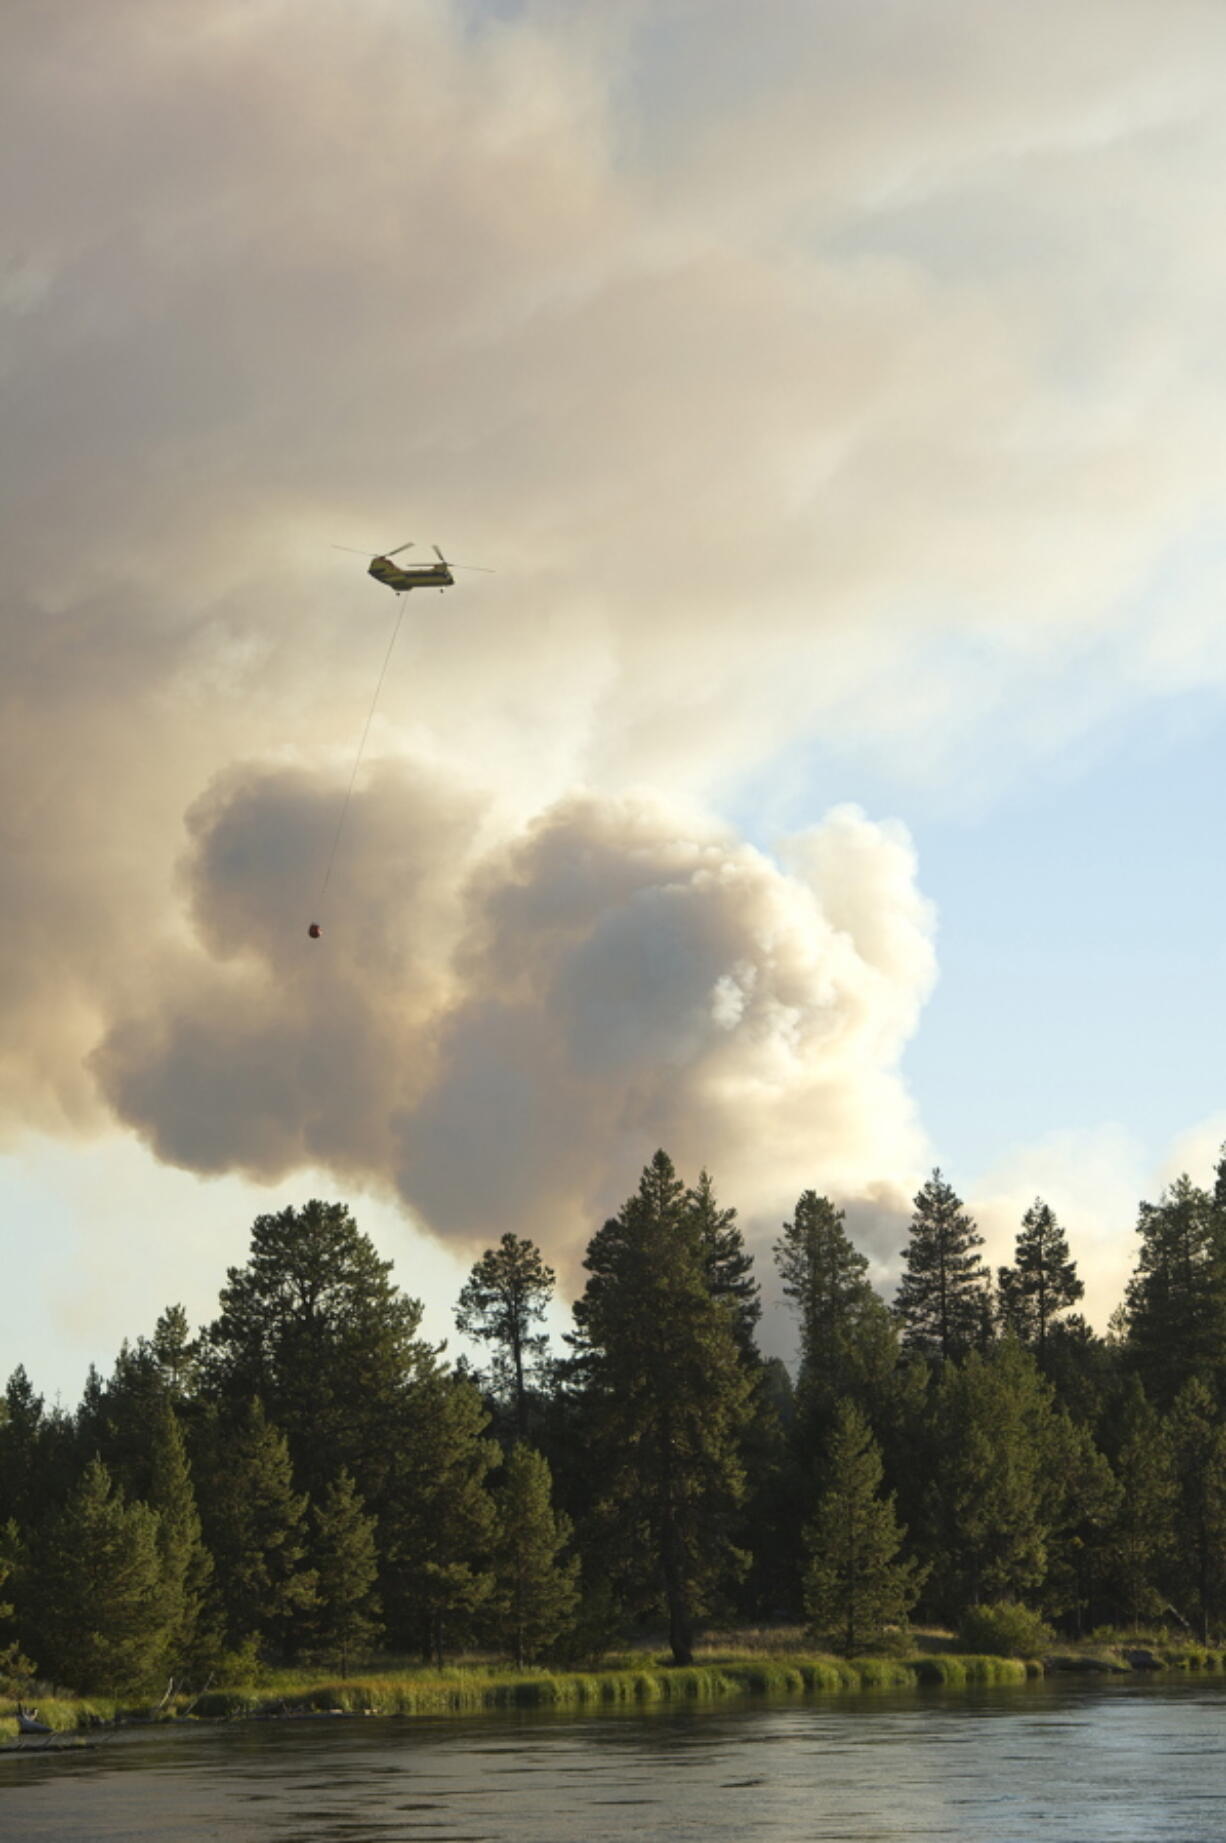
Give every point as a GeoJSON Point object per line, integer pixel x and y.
{"type": "Point", "coordinates": [471, 1688]}
{"type": "Point", "coordinates": [641, 1679]}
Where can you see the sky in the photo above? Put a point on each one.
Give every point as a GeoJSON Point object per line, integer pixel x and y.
{"type": "Point", "coordinates": [825, 783]}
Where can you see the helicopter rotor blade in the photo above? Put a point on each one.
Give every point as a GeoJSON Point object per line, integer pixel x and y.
{"type": "Point", "coordinates": [350, 549]}
{"type": "Point", "coordinates": [398, 549]}
{"type": "Point", "coordinates": [462, 566]}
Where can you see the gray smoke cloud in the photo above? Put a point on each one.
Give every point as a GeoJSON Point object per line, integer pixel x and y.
{"type": "Point", "coordinates": [505, 1030]}
{"type": "Point", "coordinates": [834, 376]}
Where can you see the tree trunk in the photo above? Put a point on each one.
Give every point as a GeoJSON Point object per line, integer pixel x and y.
{"type": "Point", "coordinates": [680, 1630]}
{"type": "Point", "coordinates": [521, 1412]}
{"type": "Point", "coordinates": [680, 1621]}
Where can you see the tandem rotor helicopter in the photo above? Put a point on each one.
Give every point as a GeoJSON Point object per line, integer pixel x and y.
{"type": "Point", "coordinates": [401, 577]}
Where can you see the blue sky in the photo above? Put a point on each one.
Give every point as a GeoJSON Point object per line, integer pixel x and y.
{"type": "Point", "coordinates": [1084, 966]}
{"type": "Point", "coordinates": [1083, 963]}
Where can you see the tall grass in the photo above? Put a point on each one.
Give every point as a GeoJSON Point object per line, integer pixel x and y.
{"type": "Point", "coordinates": [422, 1692]}
{"type": "Point", "coordinates": [956, 1671]}
{"type": "Point", "coordinates": [1194, 1657]}
{"type": "Point", "coordinates": [64, 1714]}
{"type": "Point", "coordinates": [634, 1680]}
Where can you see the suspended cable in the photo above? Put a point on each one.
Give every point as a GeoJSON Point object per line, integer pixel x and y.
{"type": "Point", "coordinates": [314, 929]}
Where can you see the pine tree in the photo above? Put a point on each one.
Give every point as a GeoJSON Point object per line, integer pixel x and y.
{"type": "Point", "coordinates": [847, 1342]}
{"type": "Point", "coordinates": [912, 1446]}
{"type": "Point", "coordinates": [777, 1498]}
{"type": "Point", "coordinates": [439, 1524]}
{"type": "Point", "coordinates": [1198, 1444]}
{"type": "Point", "coordinates": [1142, 1533]}
{"type": "Point", "coordinates": [1042, 1281]}
{"type": "Point", "coordinates": [728, 1264]}
{"type": "Point", "coordinates": [988, 1521]}
{"type": "Point", "coordinates": [101, 1615]}
{"type": "Point", "coordinates": [537, 1585]}
{"type": "Point", "coordinates": [187, 1566]}
{"type": "Point", "coordinates": [176, 1353]}
{"type": "Point", "coordinates": [507, 1293]}
{"type": "Point", "coordinates": [118, 1418]}
{"type": "Point", "coordinates": [314, 1326]}
{"type": "Point", "coordinates": [1176, 1300]}
{"type": "Point", "coordinates": [346, 1620]}
{"type": "Point", "coordinates": [854, 1581]}
{"type": "Point", "coordinates": [944, 1298]}
{"type": "Point", "coordinates": [1079, 1499]}
{"type": "Point", "coordinates": [14, 1665]}
{"type": "Point", "coordinates": [729, 1269]}
{"type": "Point", "coordinates": [1083, 1368]}
{"type": "Point", "coordinates": [671, 1400]}
{"type": "Point", "coordinates": [255, 1524]}
{"type": "Point", "coordinates": [1219, 1187]}
{"type": "Point", "coordinates": [21, 1423]}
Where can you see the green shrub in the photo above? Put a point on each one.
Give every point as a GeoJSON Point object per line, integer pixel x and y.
{"type": "Point", "coordinates": [1006, 1629]}
{"type": "Point", "coordinates": [884, 1673]}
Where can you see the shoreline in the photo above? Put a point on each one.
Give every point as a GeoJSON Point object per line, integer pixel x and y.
{"type": "Point", "coordinates": [465, 1690]}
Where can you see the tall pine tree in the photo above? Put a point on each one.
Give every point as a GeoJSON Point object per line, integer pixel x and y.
{"type": "Point", "coordinates": [346, 1618]}
{"type": "Point", "coordinates": [438, 1526]}
{"type": "Point", "coordinates": [988, 1521]}
{"type": "Point", "coordinates": [847, 1342]}
{"type": "Point", "coordinates": [671, 1400]}
{"type": "Point", "coordinates": [101, 1613]}
{"type": "Point", "coordinates": [1198, 1445]}
{"type": "Point", "coordinates": [1175, 1304]}
{"type": "Point", "coordinates": [943, 1303]}
{"type": "Point", "coordinates": [187, 1566]}
{"type": "Point", "coordinates": [314, 1326]}
{"type": "Point", "coordinates": [728, 1264]}
{"type": "Point", "coordinates": [1042, 1281]}
{"type": "Point", "coordinates": [255, 1524]}
{"type": "Point", "coordinates": [15, 1667]}
{"type": "Point", "coordinates": [536, 1582]}
{"type": "Point", "coordinates": [1142, 1537]}
{"type": "Point", "coordinates": [855, 1582]}
{"type": "Point", "coordinates": [1079, 1498]}
{"type": "Point", "coordinates": [23, 1427]}
{"type": "Point", "coordinates": [504, 1297]}
{"type": "Point", "coordinates": [176, 1352]}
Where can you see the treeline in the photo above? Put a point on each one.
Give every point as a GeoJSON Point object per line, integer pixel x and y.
{"type": "Point", "coordinates": [307, 1478]}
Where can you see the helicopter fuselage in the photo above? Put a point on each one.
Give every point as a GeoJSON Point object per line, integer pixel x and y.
{"type": "Point", "coordinates": [416, 576]}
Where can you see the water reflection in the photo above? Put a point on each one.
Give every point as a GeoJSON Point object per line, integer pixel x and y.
{"type": "Point", "coordinates": [1096, 1763]}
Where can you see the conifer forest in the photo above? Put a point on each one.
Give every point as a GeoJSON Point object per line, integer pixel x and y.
{"type": "Point", "coordinates": [306, 1478]}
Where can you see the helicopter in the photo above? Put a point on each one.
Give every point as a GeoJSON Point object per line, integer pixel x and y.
{"type": "Point", "coordinates": [402, 577]}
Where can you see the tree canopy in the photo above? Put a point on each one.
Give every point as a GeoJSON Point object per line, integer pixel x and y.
{"type": "Point", "coordinates": [307, 1479]}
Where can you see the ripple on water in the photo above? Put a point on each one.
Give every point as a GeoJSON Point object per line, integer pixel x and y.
{"type": "Point", "coordinates": [1047, 1763]}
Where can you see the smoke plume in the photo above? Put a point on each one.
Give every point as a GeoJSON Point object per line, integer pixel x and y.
{"type": "Point", "coordinates": [774, 370]}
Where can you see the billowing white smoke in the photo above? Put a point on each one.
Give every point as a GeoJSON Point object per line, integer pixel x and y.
{"type": "Point", "coordinates": [506, 1031]}
{"type": "Point", "coordinates": [767, 357]}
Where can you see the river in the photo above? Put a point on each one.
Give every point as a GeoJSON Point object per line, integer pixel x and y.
{"type": "Point", "coordinates": [1067, 1760]}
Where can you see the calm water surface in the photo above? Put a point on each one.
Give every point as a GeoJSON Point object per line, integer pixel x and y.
{"type": "Point", "coordinates": [1116, 1762]}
